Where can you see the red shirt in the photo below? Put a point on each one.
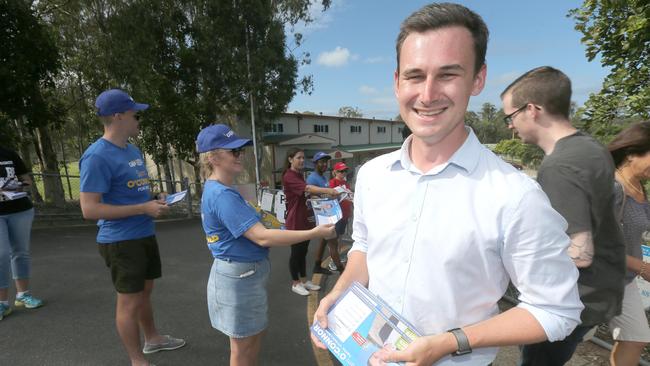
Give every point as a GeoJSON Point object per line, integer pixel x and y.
{"type": "Point", "coordinates": [346, 205]}
{"type": "Point", "coordinates": [296, 201]}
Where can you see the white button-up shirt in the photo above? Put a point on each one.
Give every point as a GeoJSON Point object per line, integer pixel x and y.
{"type": "Point", "coordinates": [442, 245]}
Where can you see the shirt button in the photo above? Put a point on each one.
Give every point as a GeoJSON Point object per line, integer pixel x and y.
{"type": "Point", "coordinates": [414, 218]}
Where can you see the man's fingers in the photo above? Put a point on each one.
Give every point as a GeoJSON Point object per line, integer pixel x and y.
{"type": "Point", "coordinates": [317, 341]}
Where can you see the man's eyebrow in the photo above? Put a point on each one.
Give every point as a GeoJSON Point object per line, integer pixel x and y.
{"type": "Point", "coordinates": [454, 67]}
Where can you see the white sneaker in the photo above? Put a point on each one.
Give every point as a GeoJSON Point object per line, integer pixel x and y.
{"type": "Point", "coordinates": [310, 286]}
{"type": "Point", "coordinates": [299, 289]}
{"type": "Point", "coordinates": [332, 267]}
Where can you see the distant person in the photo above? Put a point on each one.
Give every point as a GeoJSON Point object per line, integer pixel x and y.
{"type": "Point", "coordinates": [16, 216]}
{"type": "Point", "coordinates": [115, 191]}
{"type": "Point", "coordinates": [296, 191]}
{"type": "Point", "coordinates": [631, 152]}
{"type": "Point", "coordinates": [340, 172]}
{"type": "Point", "coordinates": [317, 179]}
{"type": "Point", "coordinates": [239, 243]}
{"type": "Point", "coordinates": [576, 174]}
{"type": "Point", "coordinates": [442, 225]}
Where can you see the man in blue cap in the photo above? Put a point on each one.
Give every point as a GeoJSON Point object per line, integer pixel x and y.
{"type": "Point", "coordinates": [317, 178]}
{"type": "Point", "coordinates": [115, 191]}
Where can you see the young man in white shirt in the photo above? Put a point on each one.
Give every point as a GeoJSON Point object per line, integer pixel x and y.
{"type": "Point", "coordinates": [442, 225]}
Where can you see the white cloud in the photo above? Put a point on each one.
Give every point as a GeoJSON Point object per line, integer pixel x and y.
{"type": "Point", "coordinates": [384, 101]}
{"type": "Point", "coordinates": [367, 90]}
{"type": "Point", "coordinates": [374, 60]}
{"type": "Point", "coordinates": [336, 58]}
{"type": "Point", "coordinates": [320, 19]}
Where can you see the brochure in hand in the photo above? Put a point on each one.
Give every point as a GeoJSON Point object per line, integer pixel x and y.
{"type": "Point", "coordinates": [10, 190]}
{"type": "Point", "coordinates": [326, 210]}
{"type": "Point", "coordinates": [345, 194]}
{"type": "Point", "coordinates": [360, 324]}
{"type": "Point", "coordinates": [176, 197]}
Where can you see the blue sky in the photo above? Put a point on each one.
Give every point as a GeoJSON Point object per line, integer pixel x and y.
{"type": "Point", "coordinates": [352, 47]}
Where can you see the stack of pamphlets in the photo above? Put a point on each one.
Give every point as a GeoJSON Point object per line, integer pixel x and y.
{"type": "Point", "coordinates": [326, 210]}
{"type": "Point", "coordinates": [9, 190]}
{"type": "Point", "coordinates": [360, 324]}
{"type": "Point", "coordinates": [344, 193]}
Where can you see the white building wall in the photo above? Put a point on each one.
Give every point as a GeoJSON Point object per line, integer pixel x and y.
{"type": "Point", "coordinates": [308, 122]}
{"type": "Point", "coordinates": [380, 137]}
{"type": "Point", "coordinates": [354, 138]}
{"type": "Point", "coordinates": [289, 124]}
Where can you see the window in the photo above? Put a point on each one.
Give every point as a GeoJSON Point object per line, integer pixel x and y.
{"type": "Point", "coordinates": [274, 127]}
{"type": "Point", "coordinates": [355, 129]}
{"type": "Point", "coordinates": [322, 128]}
{"type": "Point", "coordinates": [381, 129]}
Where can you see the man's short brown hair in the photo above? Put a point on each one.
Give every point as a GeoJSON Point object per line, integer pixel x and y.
{"type": "Point", "coordinates": [440, 15]}
{"type": "Point", "coordinates": [544, 86]}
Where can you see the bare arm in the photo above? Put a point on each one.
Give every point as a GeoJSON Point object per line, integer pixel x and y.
{"type": "Point", "coordinates": [93, 209]}
{"type": "Point", "coordinates": [276, 238]}
{"type": "Point", "coordinates": [320, 190]}
{"type": "Point", "coordinates": [515, 326]}
{"type": "Point", "coordinates": [581, 249]}
{"type": "Point", "coordinates": [26, 179]}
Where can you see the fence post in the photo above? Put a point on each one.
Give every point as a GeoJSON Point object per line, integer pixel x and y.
{"type": "Point", "coordinates": [186, 185]}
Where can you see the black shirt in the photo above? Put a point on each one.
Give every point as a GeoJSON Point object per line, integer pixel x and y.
{"type": "Point", "coordinates": [578, 177]}
{"type": "Point", "coordinates": [11, 167]}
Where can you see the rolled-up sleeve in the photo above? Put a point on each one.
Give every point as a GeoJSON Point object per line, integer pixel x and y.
{"type": "Point", "coordinates": [535, 256]}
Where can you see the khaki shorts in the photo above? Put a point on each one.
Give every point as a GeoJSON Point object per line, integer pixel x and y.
{"type": "Point", "coordinates": [632, 323]}
{"type": "Point", "coordinates": [132, 262]}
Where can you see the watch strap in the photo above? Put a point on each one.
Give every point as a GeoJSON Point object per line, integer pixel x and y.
{"type": "Point", "coordinates": [462, 341]}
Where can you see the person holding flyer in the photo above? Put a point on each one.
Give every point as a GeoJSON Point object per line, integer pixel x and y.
{"type": "Point", "coordinates": [442, 225]}
{"type": "Point", "coordinates": [630, 150]}
{"type": "Point", "coordinates": [340, 172]}
{"type": "Point", "coordinates": [297, 191]}
{"type": "Point", "coordinates": [239, 243]}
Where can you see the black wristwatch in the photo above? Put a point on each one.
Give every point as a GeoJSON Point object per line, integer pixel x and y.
{"type": "Point", "coordinates": [463, 342]}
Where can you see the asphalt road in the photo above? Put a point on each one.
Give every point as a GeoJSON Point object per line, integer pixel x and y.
{"type": "Point", "coordinates": [77, 327]}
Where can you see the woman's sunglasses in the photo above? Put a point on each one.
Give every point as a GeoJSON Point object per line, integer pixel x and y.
{"type": "Point", "coordinates": [236, 152]}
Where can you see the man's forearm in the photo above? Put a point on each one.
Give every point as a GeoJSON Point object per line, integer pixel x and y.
{"type": "Point", "coordinates": [355, 270]}
{"type": "Point", "coordinates": [512, 327]}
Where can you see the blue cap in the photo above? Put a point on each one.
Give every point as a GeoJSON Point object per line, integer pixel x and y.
{"type": "Point", "coordinates": [114, 101]}
{"type": "Point", "coordinates": [219, 137]}
{"type": "Point", "coordinates": [320, 155]}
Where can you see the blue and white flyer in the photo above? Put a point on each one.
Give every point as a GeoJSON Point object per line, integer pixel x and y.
{"type": "Point", "coordinates": [359, 325]}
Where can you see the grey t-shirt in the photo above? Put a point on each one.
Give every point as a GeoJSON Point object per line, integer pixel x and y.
{"type": "Point", "coordinates": [635, 221]}
{"type": "Point", "coordinates": [578, 177]}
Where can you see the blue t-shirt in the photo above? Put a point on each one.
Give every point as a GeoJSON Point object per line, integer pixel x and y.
{"type": "Point", "coordinates": [315, 179]}
{"type": "Point", "coordinates": [120, 175]}
{"type": "Point", "coordinates": [226, 216]}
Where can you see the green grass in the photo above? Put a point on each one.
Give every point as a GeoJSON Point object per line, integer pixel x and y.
{"type": "Point", "coordinates": [73, 188]}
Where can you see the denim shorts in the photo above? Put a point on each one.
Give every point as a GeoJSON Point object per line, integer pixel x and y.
{"type": "Point", "coordinates": [237, 297]}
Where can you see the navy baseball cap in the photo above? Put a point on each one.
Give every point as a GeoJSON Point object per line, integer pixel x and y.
{"type": "Point", "coordinates": [114, 101]}
{"type": "Point", "coordinates": [320, 155]}
{"type": "Point", "coordinates": [219, 137]}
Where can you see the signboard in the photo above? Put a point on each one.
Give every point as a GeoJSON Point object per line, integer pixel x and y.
{"type": "Point", "coordinates": [644, 286]}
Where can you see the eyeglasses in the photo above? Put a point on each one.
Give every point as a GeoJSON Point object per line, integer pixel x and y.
{"type": "Point", "coordinates": [236, 152]}
{"type": "Point", "coordinates": [508, 118]}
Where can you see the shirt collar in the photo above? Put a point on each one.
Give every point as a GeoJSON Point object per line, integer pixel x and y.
{"type": "Point", "coordinates": [466, 157]}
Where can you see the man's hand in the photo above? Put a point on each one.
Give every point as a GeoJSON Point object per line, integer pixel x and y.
{"type": "Point", "coordinates": [162, 197]}
{"type": "Point", "coordinates": [424, 351]}
{"type": "Point", "coordinates": [155, 208]}
{"type": "Point", "coordinates": [320, 315]}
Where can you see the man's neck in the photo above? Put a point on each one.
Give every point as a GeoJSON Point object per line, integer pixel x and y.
{"type": "Point", "coordinates": [555, 131]}
{"type": "Point", "coordinates": [426, 155]}
{"type": "Point", "coordinates": [115, 138]}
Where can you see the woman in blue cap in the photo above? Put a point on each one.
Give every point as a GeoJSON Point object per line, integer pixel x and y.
{"type": "Point", "coordinates": [237, 295]}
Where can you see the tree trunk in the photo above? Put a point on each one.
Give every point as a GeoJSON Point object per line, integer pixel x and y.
{"type": "Point", "coordinates": [197, 180]}
{"type": "Point", "coordinates": [168, 179]}
{"type": "Point", "coordinates": [26, 155]}
{"type": "Point", "coordinates": [51, 178]}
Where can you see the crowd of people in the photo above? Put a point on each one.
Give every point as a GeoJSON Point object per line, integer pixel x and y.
{"type": "Point", "coordinates": [441, 226]}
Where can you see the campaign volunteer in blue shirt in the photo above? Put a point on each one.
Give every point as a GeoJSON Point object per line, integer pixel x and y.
{"type": "Point", "coordinates": [237, 296]}
{"type": "Point", "coordinates": [317, 178]}
{"type": "Point", "coordinates": [115, 191]}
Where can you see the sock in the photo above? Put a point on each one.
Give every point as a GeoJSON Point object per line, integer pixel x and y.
{"type": "Point", "coordinates": [21, 294]}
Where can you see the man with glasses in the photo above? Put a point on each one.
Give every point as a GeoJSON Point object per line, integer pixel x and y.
{"type": "Point", "coordinates": [577, 174]}
{"type": "Point", "coordinates": [115, 191]}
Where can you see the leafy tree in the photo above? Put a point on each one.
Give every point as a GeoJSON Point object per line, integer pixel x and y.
{"type": "Point", "coordinates": [347, 111]}
{"type": "Point", "coordinates": [618, 32]}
